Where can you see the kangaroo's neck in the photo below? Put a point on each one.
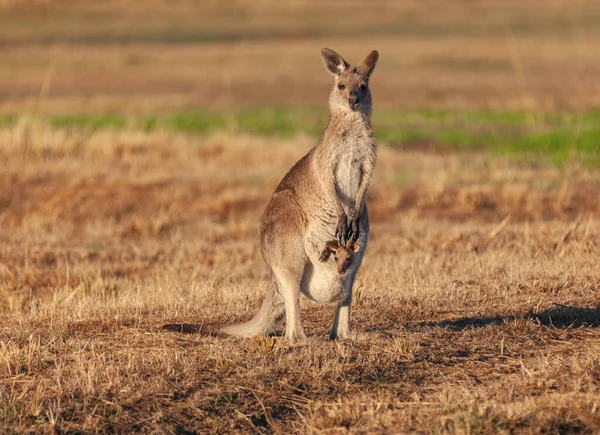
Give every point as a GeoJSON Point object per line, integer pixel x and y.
{"type": "Point", "coordinates": [346, 130]}
{"type": "Point", "coordinates": [346, 123]}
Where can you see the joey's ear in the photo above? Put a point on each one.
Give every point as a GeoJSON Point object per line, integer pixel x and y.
{"type": "Point", "coordinates": [334, 62]}
{"type": "Point", "coordinates": [332, 245]}
{"type": "Point", "coordinates": [368, 65]}
{"type": "Point", "coordinates": [356, 247]}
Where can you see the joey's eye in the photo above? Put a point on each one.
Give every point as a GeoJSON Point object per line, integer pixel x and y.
{"type": "Point", "coordinates": [341, 87]}
{"type": "Point", "coordinates": [363, 86]}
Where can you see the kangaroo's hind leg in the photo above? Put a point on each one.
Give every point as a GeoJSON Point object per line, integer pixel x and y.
{"type": "Point", "coordinates": [282, 243]}
{"type": "Point", "coordinates": [288, 284]}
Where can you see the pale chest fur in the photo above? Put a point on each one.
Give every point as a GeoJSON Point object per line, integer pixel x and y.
{"type": "Point", "coordinates": [353, 160]}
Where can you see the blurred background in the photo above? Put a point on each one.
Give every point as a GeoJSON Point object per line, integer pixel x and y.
{"type": "Point", "coordinates": [503, 75]}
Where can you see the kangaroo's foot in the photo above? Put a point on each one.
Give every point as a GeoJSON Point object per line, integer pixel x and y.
{"type": "Point", "coordinates": [362, 336]}
{"type": "Point", "coordinates": [344, 335]}
{"type": "Point", "coordinates": [296, 338]}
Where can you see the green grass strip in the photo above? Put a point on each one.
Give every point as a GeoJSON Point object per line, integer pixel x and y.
{"type": "Point", "coordinates": [551, 136]}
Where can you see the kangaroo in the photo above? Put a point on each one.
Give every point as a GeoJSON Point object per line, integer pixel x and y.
{"type": "Point", "coordinates": [322, 197]}
{"type": "Point", "coordinates": [342, 254]}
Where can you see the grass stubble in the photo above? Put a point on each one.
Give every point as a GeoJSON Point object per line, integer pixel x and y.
{"type": "Point", "coordinates": [479, 292]}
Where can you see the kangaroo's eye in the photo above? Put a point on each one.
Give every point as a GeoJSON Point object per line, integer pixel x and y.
{"type": "Point", "coordinates": [341, 87]}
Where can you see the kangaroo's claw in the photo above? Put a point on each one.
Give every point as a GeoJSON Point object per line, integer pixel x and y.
{"type": "Point", "coordinates": [354, 230]}
{"type": "Point", "coordinates": [341, 230]}
{"type": "Point", "coordinates": [324, 256]}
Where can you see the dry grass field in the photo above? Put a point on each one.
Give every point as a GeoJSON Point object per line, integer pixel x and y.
{"type": "Point", "coordinates": [478, 299]}
{"type": "Point", "coordinates": [478, 296]}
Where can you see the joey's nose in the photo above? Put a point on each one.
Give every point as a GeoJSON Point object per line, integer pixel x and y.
{"type": "Point", "coordinates": [353, 101]}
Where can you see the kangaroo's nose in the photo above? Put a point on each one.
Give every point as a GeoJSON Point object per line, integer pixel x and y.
{"type": "Point", "coordinates": [353, 101]}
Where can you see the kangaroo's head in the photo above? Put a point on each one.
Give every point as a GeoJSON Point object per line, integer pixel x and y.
{"type": "Point", "coordinates": [351, 89]}
{"type": "Point", "coordinates": [342, 254]}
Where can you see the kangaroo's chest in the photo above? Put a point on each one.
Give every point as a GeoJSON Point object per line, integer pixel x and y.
{"type": "Point", "coordinates": [349, 172]}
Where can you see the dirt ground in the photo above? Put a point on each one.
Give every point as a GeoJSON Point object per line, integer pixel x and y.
{"type": "Point", "coordinates": [478, 295]}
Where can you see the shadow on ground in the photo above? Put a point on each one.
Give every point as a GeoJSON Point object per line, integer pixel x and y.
{"type": "Point", "coordinates": [566, 316]}
{"type": "Point", "coordinates": [561, 316]}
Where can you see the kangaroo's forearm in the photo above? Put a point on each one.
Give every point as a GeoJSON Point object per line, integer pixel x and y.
{"type": "Point", "coordinates": [339, 207]}
{"type": "Point", "coordinates": [333, 191]}
{"type": "Point", "coordinates": [362, 190]}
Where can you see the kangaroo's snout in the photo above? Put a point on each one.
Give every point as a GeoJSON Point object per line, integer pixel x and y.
{"type": "Point", "coordinates": [343, 265]}
{"type": "Point", "coordinates": [353, 101]}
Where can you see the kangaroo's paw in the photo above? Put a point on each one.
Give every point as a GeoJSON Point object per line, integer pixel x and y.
{"type": "Point", "coordinates": [342, 228]}
{"type": "Point", "coordinates": [354, 230]}
{"type": "Point", "coordinates": [324, 256]}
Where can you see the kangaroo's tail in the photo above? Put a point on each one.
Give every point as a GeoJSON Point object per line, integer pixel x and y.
{"type": "Point", "coordinates": [263, 322]}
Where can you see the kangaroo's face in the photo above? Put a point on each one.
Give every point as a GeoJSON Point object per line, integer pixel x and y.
{"type": "Point", "coordinates": [342, 254]}
{"type": "Point", "coordinates": [351, 88]}
{"type": "Point", "coordinates": [343, 259]}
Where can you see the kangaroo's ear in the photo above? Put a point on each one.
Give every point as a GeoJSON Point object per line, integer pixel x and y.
{"type": "Point", "coordinates": [368, 65]}
{"type": "Point", "coordinates": [334, 62]}
{"type": "Point", "coordinates": [356, 247]}
{"type": "Point", "coordinates": [332, 245]}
